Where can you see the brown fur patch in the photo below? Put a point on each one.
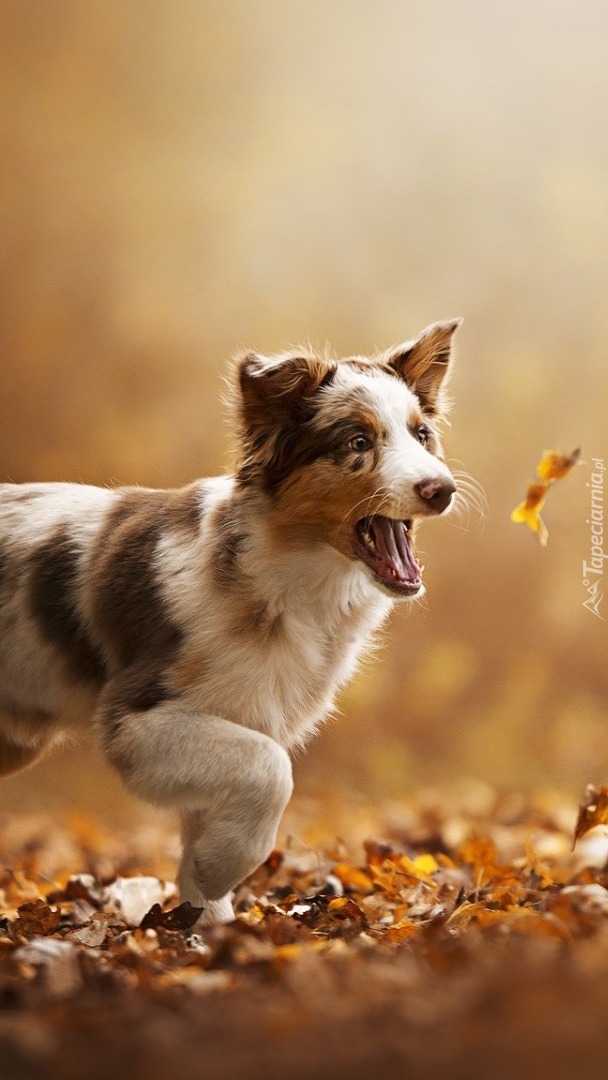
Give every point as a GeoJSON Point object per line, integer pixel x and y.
{"type": "Point", "coordinates": [130, 616]}
{"type": "Point", "coordinates": [254, 618]}
{"type": "Point", "coordinates": [295, 446]}
{"type": "Point", "coordinates": [14, 756]}
{"type": "Point", "coordinates": [5, 563]}
{"type": "Point", "coordinates": [136, 690]}
{"type": "Point", "coordinates": [17, 493]}
{"type": "Point", "coordinates": [276, 401]}
{"type": "Point", "coordinates": [189, 670]}
{"type": "Point", "coordinates": [53, 579]}
{"type": "Point", "coordinates": [14, 712]}
{"type": "Point", "coordinates": [230, 540]}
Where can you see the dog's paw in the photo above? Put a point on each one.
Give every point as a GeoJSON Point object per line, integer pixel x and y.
{"type": "Point", "coordinates": [216, 912]}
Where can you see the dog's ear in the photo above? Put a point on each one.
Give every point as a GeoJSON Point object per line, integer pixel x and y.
{"type": "Point", "coordinates": [272, 381]}
{"type": "Point", "coordinates": [424, 363]}
{"type": "Point", "coordinates": [275, 399]}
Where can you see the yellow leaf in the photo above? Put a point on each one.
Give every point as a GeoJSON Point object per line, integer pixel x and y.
{"type": "Point", "coordinates": [426, 863]}
{"type": "Point", "coordinates": [552, 466]}
{"type": "Point", "coordinates": [529, 510]}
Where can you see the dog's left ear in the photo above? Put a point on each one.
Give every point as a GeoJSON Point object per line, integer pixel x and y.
{"type": "Point", "coordinates": [424, 362]}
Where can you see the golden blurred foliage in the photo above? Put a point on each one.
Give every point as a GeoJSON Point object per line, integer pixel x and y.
{"type": "Point", "coordinates": [181, 179]}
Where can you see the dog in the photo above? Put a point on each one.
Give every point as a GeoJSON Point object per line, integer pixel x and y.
{"type": "Point", "coordinates": [205, 631]}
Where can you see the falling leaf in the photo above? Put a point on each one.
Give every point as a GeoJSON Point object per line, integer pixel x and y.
{"type": "Point", "coordinates": [594, 811]}
{"type": "Point", "coordinates": [529, 510]}
{"type": "Point", "coordinates": [552, 466]}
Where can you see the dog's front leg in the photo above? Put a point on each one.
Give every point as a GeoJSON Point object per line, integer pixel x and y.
{"type": "Point", "coordinates": [231, 785]}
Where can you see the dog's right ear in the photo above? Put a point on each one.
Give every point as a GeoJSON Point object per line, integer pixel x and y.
{"type": "Point", "coordinates": [273, 380]}
{"type": "Point", "coordinates": [424, 363]}
{"type": "Point", "coordinates": [275, 400]}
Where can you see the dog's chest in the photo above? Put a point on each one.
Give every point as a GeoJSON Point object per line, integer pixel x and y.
{"type": "Point", "coordinates": [283, 679]}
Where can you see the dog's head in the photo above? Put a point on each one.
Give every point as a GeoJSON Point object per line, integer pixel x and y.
{"type": "Point", "coordinates": [348, 450]}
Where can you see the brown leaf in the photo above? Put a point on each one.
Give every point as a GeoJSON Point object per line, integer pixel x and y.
{"type": "Point", "coordinates": [182, 917]}
{"type": "Point", "coordinates": [594, 811]}
{"type": "Point", "coordinates": [35, 917]}
{"type": "Point", "coordinates": [284, 929]}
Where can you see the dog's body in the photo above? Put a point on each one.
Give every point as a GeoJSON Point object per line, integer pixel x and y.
{"type": "Point", "coordinates": [207, 629]}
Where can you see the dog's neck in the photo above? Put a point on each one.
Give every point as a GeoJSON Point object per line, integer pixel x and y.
{"type": "Point", "coordinates": [294, 570]}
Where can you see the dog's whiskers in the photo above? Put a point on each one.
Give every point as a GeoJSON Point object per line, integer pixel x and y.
{"type": "Point", "coordinates": [367, 502]}
{"type": "Point", "coordinates": [469, 501]}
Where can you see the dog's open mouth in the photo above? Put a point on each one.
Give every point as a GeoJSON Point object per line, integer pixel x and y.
{"type": "Point", "coordinates": [384, 544]}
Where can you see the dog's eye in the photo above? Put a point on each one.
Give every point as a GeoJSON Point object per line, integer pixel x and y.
{"type": "Point", "coordinates": [360, 443]}
{"type": "Point", "coordinates": [423, 435]}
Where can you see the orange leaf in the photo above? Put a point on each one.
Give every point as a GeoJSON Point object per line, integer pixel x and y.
{"type": "Point", "coordinates": [594, 811]}
{"type": "Point", "coordinates": [554, 466]}
{"type": "Point", "coordinates": [342, 907]}
{"type": "Point", "coordinates": [352, 878]}
{"type": "Point", "coordinates": [402, 931]}
{"type": "Point", "coordinates": [528, 511]}
{"type": "Point", "coordinates": [420, 868]}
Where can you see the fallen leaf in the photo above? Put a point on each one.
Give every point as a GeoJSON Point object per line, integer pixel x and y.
{"type": "Point", "coordinates": [182, 917]}
{"type": "Point", "coordinates": [594, 811]}
{"type": "Point", "coordinates": [132, 898]}
{"type": "Point", "coordinates": [94, 934]}
{"type": "Point", "coordinates": [35, 917]}
{"type": "Point", "coordinates": [353, 879]}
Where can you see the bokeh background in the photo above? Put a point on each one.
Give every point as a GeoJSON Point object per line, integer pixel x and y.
{"type": "Point", "coordinates": [181, 179]}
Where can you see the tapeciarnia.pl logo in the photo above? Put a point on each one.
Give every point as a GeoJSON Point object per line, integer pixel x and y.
{"type": "Point", "coordinates": [593, 570]}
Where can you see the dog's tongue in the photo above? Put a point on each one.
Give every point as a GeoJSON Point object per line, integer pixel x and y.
{"type": "Point", "coordinates": [392, 542]}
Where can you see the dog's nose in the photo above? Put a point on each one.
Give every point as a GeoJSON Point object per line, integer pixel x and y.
{"type": "Point", "coordinates": [438, 493]}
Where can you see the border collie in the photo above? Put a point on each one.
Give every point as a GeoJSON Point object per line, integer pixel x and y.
{"type": "Point", "coordinates": [205, 631]}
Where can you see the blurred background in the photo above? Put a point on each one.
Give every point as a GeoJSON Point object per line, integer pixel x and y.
{"type": "Point", "coordinates": [182, 179]}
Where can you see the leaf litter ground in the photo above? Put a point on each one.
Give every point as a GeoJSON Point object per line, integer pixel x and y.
{"type": "Point", "coordinates": [452, 936]}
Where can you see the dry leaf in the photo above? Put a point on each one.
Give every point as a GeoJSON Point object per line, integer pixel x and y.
{"type": "Point", "coordinates": [182, 917]}
{"type": "Point", "coordinates": [353, 879]}
{"type": "Point", "coordinates": [528, 511]}
{"type": "Point", "coordinates": [594, 811]}
{"type": "Point", "coordinates": [552, 466]}
{"type": "Point", "coordinates": [35, 917]}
